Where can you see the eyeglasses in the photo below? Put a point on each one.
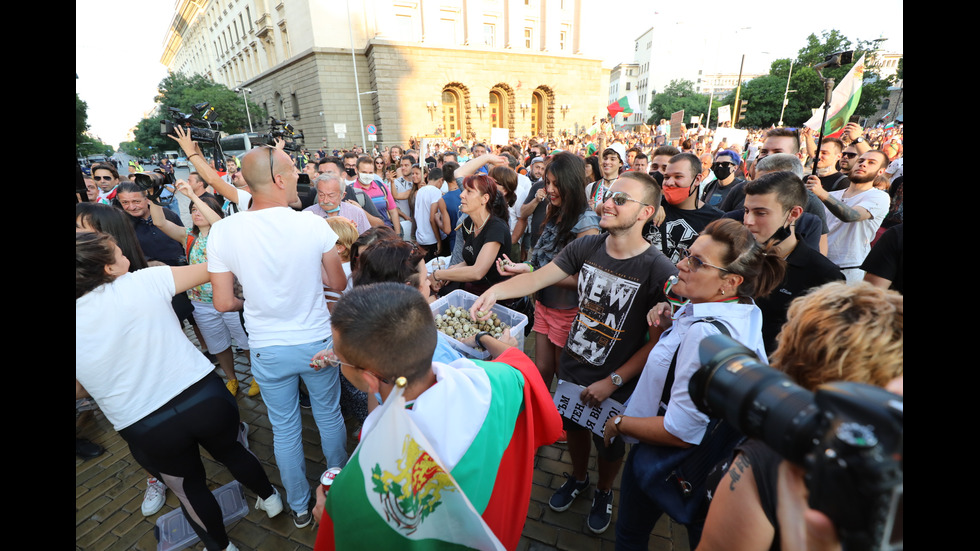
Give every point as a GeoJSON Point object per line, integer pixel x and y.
{"type": "Point", "coordinates": [696, 263]}
{"type": "Point", "coordinates": [106, 178]}
{"type": "Point", "coordinates": [849, 155]}
{"type": "Point", "coordinates": [619, 198]}
{"type": "Point", "coordinates": [330, 358]}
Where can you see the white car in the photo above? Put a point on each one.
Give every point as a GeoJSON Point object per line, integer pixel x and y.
{"type": "Point", "coordinates": [180, 162]}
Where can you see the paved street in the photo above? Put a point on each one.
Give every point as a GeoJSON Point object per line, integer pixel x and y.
{"type": "Point", "coordinates": [109, 492]}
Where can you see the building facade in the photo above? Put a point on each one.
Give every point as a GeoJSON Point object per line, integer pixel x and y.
{"type": "Point", "coordinates": [442, 68]}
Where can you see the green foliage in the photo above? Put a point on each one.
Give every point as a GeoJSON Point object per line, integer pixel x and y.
{"type": "Point", "coordinates": [81, 120]}
{"type": "Point", "coordinates": [678, 95]}
{"type": "Point", "coordinates": [183, 92]}
{"type": "Point", "coordinates": [765, 94]}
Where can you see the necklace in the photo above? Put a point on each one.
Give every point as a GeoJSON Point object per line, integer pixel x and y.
{"type": "Point", "coordinates": [477, 230]}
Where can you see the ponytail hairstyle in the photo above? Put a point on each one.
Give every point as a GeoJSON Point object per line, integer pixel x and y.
{"type": "Point", "coordinates": [93, 252]}
{"type": "Point", "coordinates": [761, 268]}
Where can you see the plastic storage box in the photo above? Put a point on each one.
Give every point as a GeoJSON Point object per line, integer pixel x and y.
{"type": "Point", "coordinates": [173, 531]}
{"type": "Point", "coordinates": [516, 320]}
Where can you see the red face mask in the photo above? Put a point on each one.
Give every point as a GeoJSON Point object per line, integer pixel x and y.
{"type": "Point", "coordinates": [677, 195]}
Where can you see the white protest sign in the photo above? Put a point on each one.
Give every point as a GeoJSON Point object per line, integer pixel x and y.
{"type": "Point", "coordinates": [499, 136]}
{"type": "Point", "coordinates": [571, 407]}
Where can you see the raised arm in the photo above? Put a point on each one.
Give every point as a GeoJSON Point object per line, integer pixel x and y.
{"type": "Point", "coordinates": [204, 169]}
{"type": "Point", "coordinates": [173, 231]}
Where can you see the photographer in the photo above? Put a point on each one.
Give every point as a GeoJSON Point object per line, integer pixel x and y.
{"type": "Point", "coordinates": [835, 333]}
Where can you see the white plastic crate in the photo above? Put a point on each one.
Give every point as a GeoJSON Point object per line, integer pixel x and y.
{"type": "Point", "coordinates": [460, 298]}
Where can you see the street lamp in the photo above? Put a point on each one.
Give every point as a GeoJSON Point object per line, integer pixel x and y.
{"type": "Point", "coordinates": [786, 93]}
{"type": "Point", "coordinates": [247, 114]}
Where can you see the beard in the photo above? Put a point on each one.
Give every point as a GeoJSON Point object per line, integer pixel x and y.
{"type": "Point", "coordinates": [863, 179]}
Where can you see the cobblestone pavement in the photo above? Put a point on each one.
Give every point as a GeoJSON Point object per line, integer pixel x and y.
{"type": "Point", "coordinates": [109, 492]}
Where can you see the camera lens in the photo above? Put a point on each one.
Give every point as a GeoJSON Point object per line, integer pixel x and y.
{"type": "Point", "coordinates": [760, 401]}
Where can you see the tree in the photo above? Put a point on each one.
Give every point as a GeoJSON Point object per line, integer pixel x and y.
{"type": "Point", "coordinates": [678, 95]}
{"type": "Point", "coordinates": [81, 119]}
{"type": "Point", "coordinates": [183, 92]}
{"type": "Point", "coordinates": [765, 94]}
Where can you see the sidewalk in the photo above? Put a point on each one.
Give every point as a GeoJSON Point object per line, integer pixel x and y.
{"type": "Point", "coordinates": [109, 492]}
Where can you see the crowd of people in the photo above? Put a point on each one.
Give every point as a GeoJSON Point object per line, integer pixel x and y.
{"type": "Point", "coordinates": [624, 249]}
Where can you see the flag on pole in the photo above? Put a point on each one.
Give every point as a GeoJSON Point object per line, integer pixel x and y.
{"type": "Point", "coordinates": [626, 104]}
{"type": "Point", "coordinates": [593, 129]}
{"type": "Point", "coordinates": [843, 103]}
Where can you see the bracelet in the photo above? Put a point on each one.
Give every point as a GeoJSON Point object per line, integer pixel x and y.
{"type": "Point", "coordinates": [192, 154]}
{"type": "Point", "coordinates": [530, 265]}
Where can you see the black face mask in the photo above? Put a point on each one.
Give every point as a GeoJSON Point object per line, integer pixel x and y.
{"type": "Point", "coordinates": [351, 172]}
{"type": "Point", "coordinates": [780, 235]}
{"type": "Point", "coordinates": [722, 172]}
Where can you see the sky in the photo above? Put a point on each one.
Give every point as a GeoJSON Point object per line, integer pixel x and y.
{"type": "Point", "coordinates": [768, 30]}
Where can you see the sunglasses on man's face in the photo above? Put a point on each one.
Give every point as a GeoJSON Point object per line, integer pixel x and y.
{"type": "Point", "coordinates": [106, 178]}
{"type": "Point", "coordinates": [619, 198]}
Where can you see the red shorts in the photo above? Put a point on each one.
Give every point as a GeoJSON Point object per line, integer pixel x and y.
{"type": "Point", "coordinates": [553, 323]}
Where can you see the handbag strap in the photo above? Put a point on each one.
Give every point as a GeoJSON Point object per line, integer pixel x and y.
{"type": "Point", "coordinates": [669, 382]}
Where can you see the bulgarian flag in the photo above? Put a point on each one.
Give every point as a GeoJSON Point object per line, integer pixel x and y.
{"type": "Point", "coordinates": [626, 104]}
{"type": "Point", "coordinates": [843, 103]}
{"type": "Point", "coordinates": [453, 473]}
{"type": "Point", "coordinates": [593, 129]}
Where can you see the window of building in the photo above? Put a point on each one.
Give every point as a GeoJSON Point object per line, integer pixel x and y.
{"type": "Point", "coordinates": [489, 35]}
{"type": "Point", "coordinates": [561, 40]}
{"type": "Point", "coordinates": [627, 85]}
{"type": "Point", "coordinates": [248, 15]}
{"type": "Point", "coordinates": [295, 105]}
{"type": "Point", "coordinates": [528, 37]}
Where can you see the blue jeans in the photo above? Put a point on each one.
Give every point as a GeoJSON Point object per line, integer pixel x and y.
{"type": "Point", "coordinates": [638, 514]}
{"type": "Point", "coordinates": [278, 370]}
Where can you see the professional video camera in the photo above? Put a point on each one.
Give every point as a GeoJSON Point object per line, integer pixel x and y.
{"type": "Point", "coordinates": [847, 436]}
{"type": "Point", "coordinates": [284, 131]}
{"type": "Point", "coordinates": [204, 129]}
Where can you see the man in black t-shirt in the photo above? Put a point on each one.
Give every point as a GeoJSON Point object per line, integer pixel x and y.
{"type": "Point", "coordinates": [620, 278]}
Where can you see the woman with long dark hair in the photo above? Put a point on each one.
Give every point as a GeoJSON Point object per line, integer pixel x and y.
{"type": "Point", "coordinates": [569, 217]}
{"type": "Point", "coordinates": [217, 328]}
{"type": "Point", "coordinates": [155, 387]}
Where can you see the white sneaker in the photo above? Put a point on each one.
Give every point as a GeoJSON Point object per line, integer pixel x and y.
{"type": "Point", "coordinates": [154, 497]}
{"type": "Point", "coordinates": [272, 505]}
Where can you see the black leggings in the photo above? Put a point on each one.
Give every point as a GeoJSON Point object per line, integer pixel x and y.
{"type": "Point", "coordinates": [166, 441]}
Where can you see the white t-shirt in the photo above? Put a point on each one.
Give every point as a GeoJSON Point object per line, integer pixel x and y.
{"type": "Point", "coordinates": [425, 197]}
{"type": "Point", "coordinates": [523, 187]}
{"type": "Point", "coordinates": [849, 242]}
{"type": "Point", "coordinates": [402, 185]}
{"type": "Point", "coordinates": [276, 253]}
{"type": "Point", "coordinates": [130, 353]}
{"type": "Point", "coordinates": [244, 199]}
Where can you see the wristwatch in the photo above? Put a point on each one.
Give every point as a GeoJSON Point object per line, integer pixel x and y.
{"type": "Point", "coordinates": [859, 139]}
{"type": "Point", "coordinates": [617, 420]}
{"type": "Point", "coordinates": [480, 335]}
{"type": "Point", "coordinates": [616, 379]}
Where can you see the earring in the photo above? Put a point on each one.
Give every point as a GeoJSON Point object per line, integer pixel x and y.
{"type": "Point", "coordinates": [722, 292]}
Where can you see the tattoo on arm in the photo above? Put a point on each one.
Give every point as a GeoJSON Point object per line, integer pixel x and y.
{"type": "Point", "coordinates": [738, 469]}
{"type": "Point", "coordinates": [842, 211]}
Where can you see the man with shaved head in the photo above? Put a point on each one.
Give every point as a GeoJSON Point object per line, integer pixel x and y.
{"type": "Point", "coordinates": [284, 260]}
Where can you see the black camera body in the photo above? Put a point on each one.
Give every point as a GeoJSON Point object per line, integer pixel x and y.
{"type": "Point", "coordinates": [153, 184]}
{"type": "Point", "coordinates": [284, 131]}
{"type": "Point", "coordinates": [847, 436]}
{"type": "Point", "coordinates": [201, 130]}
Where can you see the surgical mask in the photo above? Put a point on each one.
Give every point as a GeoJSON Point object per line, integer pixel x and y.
{"type": "Point", "coordinates": [366, 178]}
{"type": "Point", "coordinates": [779, 235]}
{"type": "Point", "coordinates": [677, 195]}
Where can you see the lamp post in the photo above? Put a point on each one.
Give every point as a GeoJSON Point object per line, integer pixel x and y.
{"type": "Point", "coordinates": [786, 93]}
{"type": "Point", "coordinates": [245, 99]}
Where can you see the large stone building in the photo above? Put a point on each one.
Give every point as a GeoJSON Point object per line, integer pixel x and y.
{"type": "Point", "coordinates": [423, 68]}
